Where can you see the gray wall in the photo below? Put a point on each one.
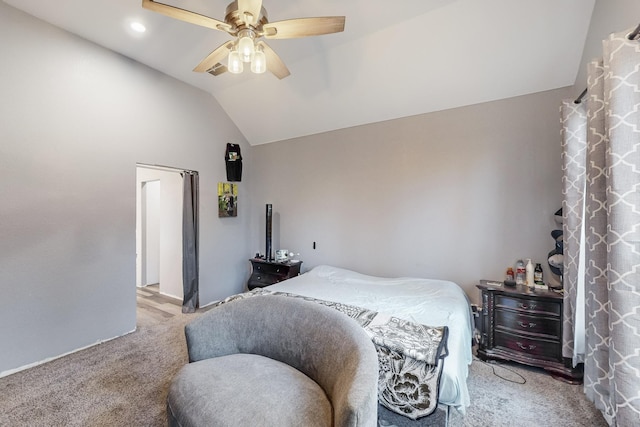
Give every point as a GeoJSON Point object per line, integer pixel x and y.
{"type": "Point", "coordinates": [609, 16]}
{"type": "Point", "coordinates": [75, 120]}
{"type": "Point", "coordinates": [456, 195]}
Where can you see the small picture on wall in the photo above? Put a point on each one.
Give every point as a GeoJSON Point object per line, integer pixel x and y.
{"type": "Point", "coordinates": [227, 199]}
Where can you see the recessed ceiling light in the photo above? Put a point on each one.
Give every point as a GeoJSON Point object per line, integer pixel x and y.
{"type": "Point", "coordinates": [138, 27]}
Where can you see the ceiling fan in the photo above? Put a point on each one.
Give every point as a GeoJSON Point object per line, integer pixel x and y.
{"type": "Point", "coordinates": [247, 21]}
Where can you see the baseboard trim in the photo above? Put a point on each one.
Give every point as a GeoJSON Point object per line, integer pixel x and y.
{"type": "Point", "coordinates": [50, 359]}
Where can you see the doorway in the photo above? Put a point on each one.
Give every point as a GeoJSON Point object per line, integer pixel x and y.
{"type": "Point", "coordinates": [150, 233]}
{"type": "Point", "coordinates": [159, 229]}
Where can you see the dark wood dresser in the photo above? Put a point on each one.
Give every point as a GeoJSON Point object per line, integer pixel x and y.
{"type": "Point", "coordinates": [524, 326]}
{"type": "Point", "coordinates": [265, 273]}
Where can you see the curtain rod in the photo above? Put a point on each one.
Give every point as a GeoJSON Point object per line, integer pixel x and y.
{"type": "Point", "coordinates": [581, 97]}
{"type": "Point", "coordinates": [634, 33]}
{"type": "Point", "coordinates": [632, 36]}
{"type": "Point", "coordinates": [169, 168]}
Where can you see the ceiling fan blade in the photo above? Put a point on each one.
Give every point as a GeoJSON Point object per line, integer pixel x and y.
{"type": "Point", "coordinates": [186, 16]}
{"type": "Point", "coordinates": [274, 63]}
{"type": "Point", "coordinates": [304, 27]}
{"type": "Point", "coordinates": [214, 57]}
{"type": "Point", "coordinates": [249, 11]}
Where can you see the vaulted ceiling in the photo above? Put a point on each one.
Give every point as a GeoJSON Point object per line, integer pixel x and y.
{"type": "Point", "coordinates": [394, 59]}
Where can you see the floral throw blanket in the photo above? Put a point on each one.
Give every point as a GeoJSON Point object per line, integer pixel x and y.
{"type": "Point", "coordinates": [410, 355]}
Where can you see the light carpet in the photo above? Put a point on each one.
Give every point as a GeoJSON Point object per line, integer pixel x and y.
{"type": "Point", "coordinates": [124, 382]}
{"type": "Point", "coordinates": [540, 402]}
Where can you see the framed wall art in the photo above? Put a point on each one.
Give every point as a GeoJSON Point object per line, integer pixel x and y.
{"type": "Point", "coordinates": [227, 199]}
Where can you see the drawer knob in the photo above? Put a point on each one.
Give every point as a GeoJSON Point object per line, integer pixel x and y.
{"type": "Point", "coordinates": [525, 347]}
{"type": "Point", "coordinates": [531, 306]}
{"type": "Point", "coordinates": [527, 325]}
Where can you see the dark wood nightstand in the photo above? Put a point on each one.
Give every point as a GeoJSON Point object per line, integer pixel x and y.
{"type": "Point", "coordinates": [524, 326]}
{"type": "Point", "coordinates": [265, 273]}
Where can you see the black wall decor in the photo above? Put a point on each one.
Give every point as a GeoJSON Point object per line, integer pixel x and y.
{"type": "Point", "coordinates": [233, 160]}
{"type": "Point", "coordinates": [556, 256]}
{"type": "Point", "coordinates": [268, 220]}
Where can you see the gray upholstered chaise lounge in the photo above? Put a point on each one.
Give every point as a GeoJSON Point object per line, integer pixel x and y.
{"type": "Point", "coordinates": [275, 361]}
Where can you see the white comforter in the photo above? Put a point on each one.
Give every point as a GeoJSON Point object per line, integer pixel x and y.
{"type": "Point", "coordinates": [426, 301]}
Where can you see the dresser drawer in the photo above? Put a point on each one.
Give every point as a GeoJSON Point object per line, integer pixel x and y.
{"type": "Point", "coordinates": [265, 273]}
{"type": "Point", "coordinates": [534, 347]}
{"type": "Point", "coordinates": [260, 279]}
{"type": "Point", "coordinates": [519, 322]}
{"type": "Point", "coordinates": [526, 305]}
{"type": "Point", "coordinates": [273, 270]}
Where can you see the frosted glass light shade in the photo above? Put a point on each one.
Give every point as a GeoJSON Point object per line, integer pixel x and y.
{"type": "Point", "coordinates": [258, 62]}
{"type": "Point", "coordinates": [235, 64]}
{"type": "Point", "coordinates": [246, 48]}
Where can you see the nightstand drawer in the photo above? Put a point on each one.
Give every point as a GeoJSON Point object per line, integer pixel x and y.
{"type": "Point", "coordinates": [539, 348]}
{"type": "Point", "coordinates": [271, 269]}
{"type": "Point", "coordinates": [265, 273]}
{"type": "Point", "coordinates": [528, 305]}
{"type": "Point", "coordinates": [517, 322]}
{"type": "Point", "coordinates": [260, 279]}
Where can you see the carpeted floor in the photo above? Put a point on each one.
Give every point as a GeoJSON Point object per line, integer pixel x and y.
{"type": "Point", "coordinates": [540, 402]}
{"type": "Point", "coordinates": [124, 382]}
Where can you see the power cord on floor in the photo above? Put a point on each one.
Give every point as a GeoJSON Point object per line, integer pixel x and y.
{"type": "Point", "coordinates": [493, 365]}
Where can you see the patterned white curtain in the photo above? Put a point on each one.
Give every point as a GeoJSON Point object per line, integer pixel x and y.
{"type": "Point", "coordinates": [574, 148]}
{"type": "Point", "coordinates": [612, 234]}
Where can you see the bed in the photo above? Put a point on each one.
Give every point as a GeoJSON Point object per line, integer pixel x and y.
{"type": "Point", "coordinates": [424, 301]}
{"type": "Point", "coordinates": [421, 328]}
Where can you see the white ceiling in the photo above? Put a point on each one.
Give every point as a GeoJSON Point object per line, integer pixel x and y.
{"type": "Point", "coordinates": [394, 59]}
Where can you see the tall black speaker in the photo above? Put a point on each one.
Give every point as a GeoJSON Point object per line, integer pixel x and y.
{"type": "Point", "coordinates": [269, 218]}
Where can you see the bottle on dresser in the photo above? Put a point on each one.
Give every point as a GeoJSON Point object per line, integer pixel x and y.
{"type": "Point", "coordinates": [537, 275]}
{"type": "Point", "coordinates": [520, 272]}
{"type": "Point", "coordinates": [529, 274]}
{"type": "Point", "coordinates": [509, 275]}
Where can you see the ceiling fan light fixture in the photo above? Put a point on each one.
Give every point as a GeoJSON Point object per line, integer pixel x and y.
{"type": "Point", "coordinates": [246, 47]}
{"type": "Point", "coordinates": [247, 22]}
{"type": "Point", "coordinates": [259, 62]}
{"type": "Point", "coordinates": [235, 65]}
